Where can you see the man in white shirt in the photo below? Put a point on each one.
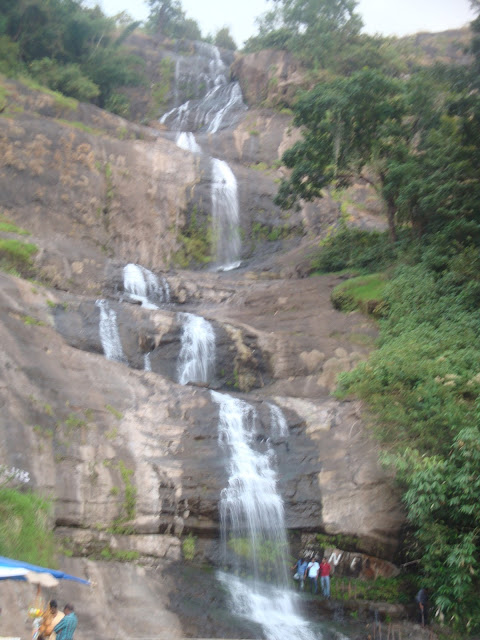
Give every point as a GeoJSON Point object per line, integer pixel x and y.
{"type": "Point", "coordinates": [313, 569]}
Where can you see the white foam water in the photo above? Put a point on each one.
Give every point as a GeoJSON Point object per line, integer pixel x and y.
{"type": "Point", "coordinates": [279, 425]}
{"type": "Point", "coordinates": [276, 610]}
{"type": "Point", "coordinates": [197, 352]}
{"type": "Point", "coordinates": [215, 101]}
{"type": "Point", "coordinates": [253, 528]}
{"type": "Point", "coordinates": [147, 365]}
{"type": "Point", "coordinates": [109, 336]}
{"type": "Point", "coordinates": [144, 286]}
{"type": "Point", "coordinates": [225, 216]}
{"type": "Point", "coordinates": [186, 140]}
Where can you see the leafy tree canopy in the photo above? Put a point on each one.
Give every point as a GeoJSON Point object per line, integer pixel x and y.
{"type": "Point", "coordinates": [223, 38]}
{"type": "Point", "coordinates": [68, 47]}
{"type": "Point", "coordinates": [168, 18]}
{"type": "Point", "coordinates": [316, 30]}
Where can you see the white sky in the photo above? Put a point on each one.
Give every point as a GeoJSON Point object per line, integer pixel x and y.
{"type": "Point", "coordinates": [387, 17]}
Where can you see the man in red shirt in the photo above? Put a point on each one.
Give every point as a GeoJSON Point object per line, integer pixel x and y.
{"type": "Point", "coordinates": [325, 569]}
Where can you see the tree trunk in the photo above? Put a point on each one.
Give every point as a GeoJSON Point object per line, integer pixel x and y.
{"type": "Point", "coordinates": [391, 210]}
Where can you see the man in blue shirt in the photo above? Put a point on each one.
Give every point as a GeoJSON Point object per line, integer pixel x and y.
{"type": "Point", "coordinates": [67, 625]}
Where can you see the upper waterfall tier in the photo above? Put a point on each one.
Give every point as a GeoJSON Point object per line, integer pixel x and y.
{"type": "Point", "coordinates": [212, 101]}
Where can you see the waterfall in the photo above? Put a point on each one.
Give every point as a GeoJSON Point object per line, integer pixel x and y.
{"type": "Point", "coordinates": [109, 336]}
{"type": "Point", "coordinates": [214, 109]}
{"type": "Point", "coordinates": [253, 528]}
{"type": "Point", "coordinates": [143, 285]}
{"type": "Point", "coordinates": [225, 214]}
{"type": "Point", "coordinates": [213, 103]}
{"type": "Point", "coordinates": [147, 365]}
{"type": "Point", "coordinates": [186, 140]}
{"type": "Point", "coordinates": [278, 422]}
{"type": "Point", "coordinates": [197, 353]}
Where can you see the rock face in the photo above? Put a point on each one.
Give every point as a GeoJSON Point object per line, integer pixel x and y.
{"type": "Point", "coordinates": [130, 457]}
{"type": "Point", "coordinates": [269, 77]}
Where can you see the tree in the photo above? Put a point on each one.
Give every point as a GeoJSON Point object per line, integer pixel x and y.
{"type": "Point", "coordinates": [168, 18]}
{"type": "Point", "coordinates": [163, 14]}
{"type": "Point", "coordinates": [347, 124]}
{"type": "Point", "coordinates": [316, 30]}
{"type": "Point", "coordinates": [442, 502]}
{"type": "Point", "coordinates": [223, 39]}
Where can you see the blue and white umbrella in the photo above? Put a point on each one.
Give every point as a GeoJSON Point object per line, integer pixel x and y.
{"type": "Point", "coordinates": [17, 570]}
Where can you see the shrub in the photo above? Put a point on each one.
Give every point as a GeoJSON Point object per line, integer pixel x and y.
{"type": "Point", "coordinates": [16, 256]}
{"type": "Point", "coordinates": [25, 532]}
{"type": "Point", "coordinates": [367, 251]}
{"type": "Point", "coordinates": [364, 293]}
{"type": "Point", "coordinates": [188, 547]}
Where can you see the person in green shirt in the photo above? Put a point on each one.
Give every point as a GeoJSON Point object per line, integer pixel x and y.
{"type": "Point", "coordinates": [67, 625]}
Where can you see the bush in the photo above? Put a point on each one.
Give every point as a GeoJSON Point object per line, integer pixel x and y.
{"type": "Point", "coordinates": [25, 532]}
{"type": "Point", "coordinates": [367, 251]}
{"type": "Point", "coordinates": [188, 547]}
{"type": "Point", "coordinates": [16, 256]}
{"type": "Point", "coordinates": [364, 293]}
{"type": "Point", "coordinates": [10, 62]}
{"type": "Point", "coordinates": [67, 79]}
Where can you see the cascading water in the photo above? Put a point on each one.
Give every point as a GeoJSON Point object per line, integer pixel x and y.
{"type": "Point", "coordinates": [147, 365]}
{"type": "Point", "coordinates": [253, 528]}
{"type": "Point", "coordinates": [251, 509]}
{"type": "Point", "coordinates": [144, 286]}
{"type": "Point", "coordinates": [109, 336]}
{"type": "Point", "coordinates": [216, 103]}
{"type": "Point", "coordinates": [197, 353]}
{"type": "Point", "coordinates": [278, 422]}
{"type": "Point", "coordinates": [186, 140]}
{"type": "Point", "coordinates": [218, 108]}
{"type": "Point", "coordinates": [225, 215]}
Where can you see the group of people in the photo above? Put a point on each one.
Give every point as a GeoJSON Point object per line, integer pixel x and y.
{"type": "Point", "coordinates": [311, 571]}
{"type": "Point", "coordinates": [56, 625]}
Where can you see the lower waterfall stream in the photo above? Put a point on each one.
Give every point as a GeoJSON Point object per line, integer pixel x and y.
{"type": "Point", "coordinates": [253, 528]}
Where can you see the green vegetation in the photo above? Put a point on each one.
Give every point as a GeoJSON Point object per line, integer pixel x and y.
{"type": "Point", "coordinates": [352, 249]}
{"type": "Point", "coordinates": [161, 89]}
{"type": "Point", "coordinates": [419, 137]}
{"type": "Point", "coordinates": [393, 590]}
{"type": "Point", "coordinates": [81, 126]}
{"type": "Point", "coordinates": [30, 320]}
{"type": "Point", "coordinates": [16, 257]}
{"type": "Point", "coordinates": [340, 541]}
{"type": "Point", "coordinates": [363, 292]}
{"type": "Point", "coordinates": [224, 40]}
{"type": "Point", "coordinates": [130, 490]}
{"type": "Point", "coordinates": [118, 415]}
{"type": "Point", "coordinates": [324, 35]}
{"type": "Point", "coordinates": [266, 233]}
{"type": "Point", "coordinates": [74, 422]}
{"type": "Point", "coordinates": [168, 17]}
{"type": "Point", "coordinates": [188, 547]}
{"type": "Point", "coordinates": [70, 49]}
{"type": "Point", "coordinates": [9, 227]}
{"type": "Point", "coordinates": [128, 508]}
{"type": "Point", "coordinates": [120, 556]}
{"type": "Point", "coordinates": [63, 102]}
{"type": "Point", "coordinates": [25, 531]}
{"type": "Point", "coordinates": [267, 554]}
{"type": "Point", "coordinates": [195, 241]}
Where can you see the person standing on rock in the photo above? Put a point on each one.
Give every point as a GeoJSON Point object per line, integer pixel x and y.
{"type": "Point", "coordinates": [300, 568]}
{"type": "Point", "coordinates": [313, 569]}
{"type": "Point", "coordinates": [66, 627]}
{"type": "Point", "coordinates": [325, 570]}
{"type": "Point", "coordinates": [422, 601]}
